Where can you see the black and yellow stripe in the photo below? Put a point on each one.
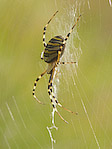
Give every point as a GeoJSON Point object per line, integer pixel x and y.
{"type": "Point", "coordinates": [35, 84]}
{"type": "Point", "coordinates": [44, 43]}
{"type": "Point", "coordinates": [54, 101]}
{"type": "Point", "coordinates": [52, 48]}
{"type": "Point", "coordinates": [64, 63]}
{"type": "Point", "coordinates": [72, 29]}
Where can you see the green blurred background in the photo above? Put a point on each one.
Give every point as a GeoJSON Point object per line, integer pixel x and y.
{"type": "Point", "coordinates": [23, 122]}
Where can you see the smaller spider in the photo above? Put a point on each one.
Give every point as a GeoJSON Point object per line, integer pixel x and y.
{"type": "Point", "coordinates": [51, 54]}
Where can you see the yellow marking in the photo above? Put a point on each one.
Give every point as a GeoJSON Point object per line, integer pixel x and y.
{"type": "Point", "coordinates": [50, 52]}
{"type": "Point", "coordinates": [60, 51]}
{"type": "Point", "coordinates": [50, 87]}
{"type": "Point", "coordinates": [39, 77]}
{"type": "Point", "coordinates": [70, 31]}
{"type": "Point", "coordinates": [64, 42]}
{"type": "Point", "coordinates": [58, 38]}
{"type": "Point", "coordinates": [48, 90]}
{"type": "Point", "coordinates": [46, 26]}
{"type": "Point", "coordinates": [53, 95]}
{"type": "Point", "coordinates": [53, 44]}
{"type": "Point", "coordinates": [50, 96]}
{"type": "Point", "coordinates": [34, 87]}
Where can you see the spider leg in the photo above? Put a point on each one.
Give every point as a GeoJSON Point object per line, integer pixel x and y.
{"type": "Point", "coordinates": [50, 88]}
{"type": "Point", "coordinates": [44, 43]}
{"type": "Point", "coordinates": [54, 102]}
{"type": "Point", "coordinates": [72, 29]}
{"type": "Point", "coordinates": [53, 99]}
{"type": "Point", "coordinates": [59, 53]}
{"type": "Point", "coordinates": [64, 63]}
{"type": "Point", "coordinates": [35, 84]}
{"type": "Point", "coordinates": [62, 117]}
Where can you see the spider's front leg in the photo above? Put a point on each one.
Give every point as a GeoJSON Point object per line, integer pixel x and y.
{"type": "Point", "coordinates": [53, 99]}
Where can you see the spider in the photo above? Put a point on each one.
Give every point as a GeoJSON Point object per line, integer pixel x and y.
{"type": "Point", "coordinates": [51, 54]}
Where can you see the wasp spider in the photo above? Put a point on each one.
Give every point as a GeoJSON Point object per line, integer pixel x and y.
{"type": "Point", "coordinates": [52, 53]}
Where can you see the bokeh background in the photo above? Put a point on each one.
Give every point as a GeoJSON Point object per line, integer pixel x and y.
{"type": "Point", "coordinates": [23, 121]}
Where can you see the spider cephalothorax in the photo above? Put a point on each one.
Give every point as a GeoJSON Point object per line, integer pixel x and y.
{"type": "Point", "coordinates": [51, 54]}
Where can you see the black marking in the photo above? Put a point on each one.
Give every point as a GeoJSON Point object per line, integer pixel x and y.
{"type": "Point", "coordinates": [41, 74]}
{"type": "Point", "coordinates": [50, 80]}
{"type": "Point", "coordinates": [56, 101]}
{"type": "Point", "coordinates": [53, 106]}
{"type": "Point", "coordinates": [50, 54]}
{"type": "Point", "coordinates": [49, 51]}
{"type": "Point", "coordinates": [53, 96]}
{"type": "Point", "coordinates": [35, 84]}
{"type": "Point", "coordinates": [49, 85]}
{"type": "Point", "coordinates": [52, 48]}
{"type": "Point", "coordinates": [45, 28]}
{"type": "Point", "coordinates": [49, 20]}
{"type": "Point", "coordinates": [33, 93]}
{"type": "Point", "coordinates": [43, 33]}
{"type": "Point", "coordinates": [33, 89]}
{"type": "Point", "coordinates": [37, 79]}
{"type": "Point", "coordinates": [43, 39]}
{"type": "Point", "coordinates": [60, 37]}
{"type": "Point", "coordinates": [56, 39]}
{"type": "Point", "coordinates": [51, 89]}
{"type": "Point", "coordinates": [49, 93]}
{"type": "Point", "coordinates": [51, 100]}
{"type": "Point", "coordinates": [68, 35]}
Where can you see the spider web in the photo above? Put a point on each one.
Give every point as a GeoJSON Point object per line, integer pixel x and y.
{"type": "Point", "coordinates": [72, 53]}
{"type": "Point", "coordinates": [84, 88]}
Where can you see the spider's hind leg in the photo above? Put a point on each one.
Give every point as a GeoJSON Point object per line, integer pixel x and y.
{"type": "Point", "coordinates": [54, 101]}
